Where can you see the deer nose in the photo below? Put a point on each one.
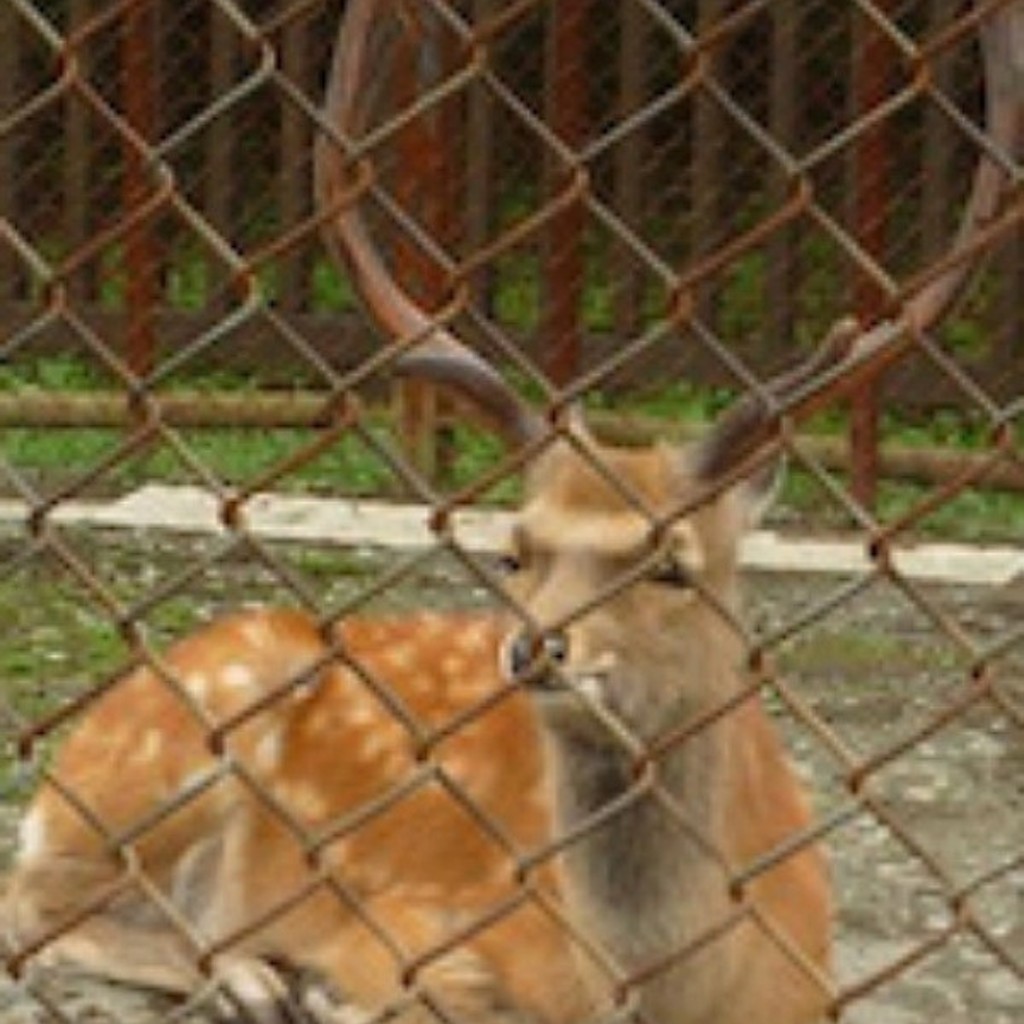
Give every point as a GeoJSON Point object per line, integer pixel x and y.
{"type": "Point", "coordinates": [529, 655]}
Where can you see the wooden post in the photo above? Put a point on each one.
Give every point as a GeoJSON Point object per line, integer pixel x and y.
{"type": "Point", "coordinates": [780, 280]}
{"type": "Point", "coordinates": [293, 155]}
{"type": "Point", "coordinates": [629, 156]}
{"type": "Point", "coordinates": [77, 174]}
{"type": "Point", "coordinates": [1006, 351]}
{"type": "Point", "coordinates": [871, 69]}
{"type": "Point", "coordinates": [480, 171]}
{"type": "Point", "coordinates": [138, 90]}
{"type": "Point", "coordinates": [10, 272]}
{"type": "Point", "coordinates": [426, 186]}
{"type": "Point", "coordinates": [938, 199]}
{"type": "Point", "coordinates": [218, 152]}
{"type": "Point", "coordinates": [708, 147]}
{"type": "Point", "coordinates": [563, 267]}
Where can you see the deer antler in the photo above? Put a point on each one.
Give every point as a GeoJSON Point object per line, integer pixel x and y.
{"type": "Point", "coordinates": [850, 355]}
{"type": "Point", "coordinates": [434, 353]}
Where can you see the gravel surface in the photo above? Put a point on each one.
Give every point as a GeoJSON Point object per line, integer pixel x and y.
{"type": "Point", "coordinates": [945, 808]}
{"type": "Point", "coordinates": [926, 807]}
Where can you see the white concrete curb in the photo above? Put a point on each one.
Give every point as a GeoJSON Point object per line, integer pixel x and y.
{"type": "Point", "coordinates": [375, 523]}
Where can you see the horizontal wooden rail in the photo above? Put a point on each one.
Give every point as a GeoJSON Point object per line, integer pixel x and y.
{"type": "Point", "coordinates": [298, 410]}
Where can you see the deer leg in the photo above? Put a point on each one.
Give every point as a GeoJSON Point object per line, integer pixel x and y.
{"type": "Point", "coordinates": [128, 940]}
{"type": "Point", "coordinates": [460, 991]}
{"type": "Point", "coordinates": [123, 940]}
{"type": "Point", "coordinates": [129, 943]}
{"type": "Point", "coordinates": [459, 986]}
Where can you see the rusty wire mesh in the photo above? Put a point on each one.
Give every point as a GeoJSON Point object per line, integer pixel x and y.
{"type": "Point", "coordinates": [605, 200]}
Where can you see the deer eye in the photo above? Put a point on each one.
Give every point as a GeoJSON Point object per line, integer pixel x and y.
{"type": "Point", "coordinates": [670, 572]}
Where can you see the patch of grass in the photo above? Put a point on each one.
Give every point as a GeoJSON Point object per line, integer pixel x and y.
{"type": "Point", "coordinates": [52, 373]}
{"type": "Point", "coordinates": [974, 516]}
{"type": "Point", "coordinates": [236, 457]}
{"type": "Point", "coordinates": [865, 656]}
{"type": "Point", "coordinates": [55, 640]}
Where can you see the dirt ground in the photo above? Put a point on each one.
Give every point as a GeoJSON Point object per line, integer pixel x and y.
{"type": "Point", "coordinates": [879, 671]}
{"type": "Point", "coordinates": [876, 668]}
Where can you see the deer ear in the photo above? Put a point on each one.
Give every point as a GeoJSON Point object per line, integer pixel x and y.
{"type": "Point", "coordinates": [758, 492]}
{"type": "Point", "coordinates": [750, 430]}
{"type": "Point", "coordinates": [750, 496]}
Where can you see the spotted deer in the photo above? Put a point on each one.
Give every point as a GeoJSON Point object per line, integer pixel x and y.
{"type": "Point", "coordinates": [570, 808]}
{"type": "Point", "coordinates": [538, 815]}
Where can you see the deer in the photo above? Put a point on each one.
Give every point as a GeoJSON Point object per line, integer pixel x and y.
{"type": "Point", "coordinates": [538, 814]}
{"type": "Point", "coordinates": [572, 807]}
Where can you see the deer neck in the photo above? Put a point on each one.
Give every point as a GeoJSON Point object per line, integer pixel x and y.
{"type": "Point", "coordinates": [638, 875]}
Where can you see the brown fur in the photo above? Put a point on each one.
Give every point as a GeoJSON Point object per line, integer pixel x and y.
{"type": "Point", "coordinates": [420, 839]}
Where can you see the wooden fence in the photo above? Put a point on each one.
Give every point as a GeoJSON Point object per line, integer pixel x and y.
{"type": "Point", "coordinates": [683, 172]}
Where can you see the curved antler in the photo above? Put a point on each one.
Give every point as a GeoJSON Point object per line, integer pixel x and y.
{"type": "Point", "coordinates": [849, 355]}
{"type": "Point", "coordinates": [1002, 42]}
{"type": "Point", "coordinates": [434, 353]}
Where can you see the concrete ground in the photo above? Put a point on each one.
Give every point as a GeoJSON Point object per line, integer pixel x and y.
{"type": "Point", "coordinates": [379, 524]}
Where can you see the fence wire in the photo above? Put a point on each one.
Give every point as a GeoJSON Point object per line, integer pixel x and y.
{"type": "Point", "coordinates": [644, 207]}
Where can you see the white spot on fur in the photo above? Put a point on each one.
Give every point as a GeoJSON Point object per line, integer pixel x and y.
{"type": "Point", "coordinates": [269, 751]}
{"type": "Point", "coordinates": [151, 747]}
{"type": "Point", "coordinates": [378, 743]}
{"type": "Point", "coordinates": [32, 840]}
{"type": "Point", "coordinates": [361, 713]}
{"type": "Point", "coordinates": [476, 641]}
{"type": "Point", "coordinates": [237, 676]}
{"type": "Point", "coordinates": [257, 631]}
{"type": "Point", "coordinates": [306, 801]}
{"type": "Point", "coordinates": [401, 658]}
{"type": "Point", "coordinates": [196, 684]}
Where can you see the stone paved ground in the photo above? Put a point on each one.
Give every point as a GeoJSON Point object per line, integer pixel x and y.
{"type": "Point", "coordinates": [874, 669]}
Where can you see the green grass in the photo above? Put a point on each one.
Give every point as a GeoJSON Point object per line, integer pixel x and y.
{"type": "Point", "coordinates": [234, 457]}
{"type": "Point", "coordinates": [55, 458]}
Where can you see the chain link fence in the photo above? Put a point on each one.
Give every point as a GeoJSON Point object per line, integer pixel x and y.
{"type": "Point", "coordinates": [644, 208]}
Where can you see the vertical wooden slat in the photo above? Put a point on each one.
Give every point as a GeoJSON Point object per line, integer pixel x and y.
{"type": "Point", "coordinates": [418, 187]}
{"type": "Point", "coordinates": [77, 172]}
{"type": "Point", "coordinates": [292, 167]}
{"type": "Point", "coordinates": [563, 266]}
{"type": "Point", "coordinates": [629, 156]}
{"type": "Point", "coordinates": [937, 202]}
{"type": "Point", "coordinates": [138, 89]}
{"type": "Point", "coordinates": [218, 152]}
{"type": "Point", "coordinates": [708, 145]}
{"type": "Point", "coordinates": [783, 116]}
{"type": "Point", "coordinates": [871, 65]}
{"type": "Point", "coordinates": [1006, 352]}
{"type": "Point", "coordinates": [10, 275]}
{"type": "Point", "coordinates": [481, 171]}
{"type": "Point", "coordinates": [444, 216]}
